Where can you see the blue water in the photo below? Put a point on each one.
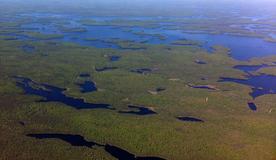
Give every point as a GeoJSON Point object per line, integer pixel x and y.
{"type": "Point", "coordinates": [252, 106]}
{"type": "Point", "coordinates": [87, 86]}
{"type": "Point", "coordinates": [261, 84]}
{"type": "Point", "coordinates": [251, 68]}
{"type": "Point", "coordinates": [55, 94]}
{"type": "Point", "coordinates": [242, 48]}
{"type": "Point", "coordinates": [273, 35]}
{"type": "Point", "coordinates": [114, 58]}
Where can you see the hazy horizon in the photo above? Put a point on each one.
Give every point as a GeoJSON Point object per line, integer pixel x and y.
{"type": "Point", "coordinates": [141, 7]}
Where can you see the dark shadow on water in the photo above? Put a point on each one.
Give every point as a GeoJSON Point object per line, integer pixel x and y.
{"type": "Point", "coordinates": [142, 70]}
{"type": "Point", "coordinates": [209, 87]}
{"type": "Point", "coordinates": [55, 94]}
{"type": "Point", "coordinates": [74, 140]}
{"type": "Point", "coordinates": [160, 89]}
{"type": "Point", "coordinates": [190, 119]}
{"type": "Point", "coordinates": [200, 62]}
{"type": "Point", "coordinates": [141, 111]}
{"type": "Point", "coordinates": [119, 153]}
{"type": "Point", "coordinates": [149, 158]}
{"type": "Point", "coordinates": [252, 106]}
{"type": "Point", "coordinates": [21, 123]}
{"type": "Point", "coordinates": [80, 141]}
{"type": "Point", "coordinates": [105, 69]}
{"type": "Point", "coordinates": [84, 75]}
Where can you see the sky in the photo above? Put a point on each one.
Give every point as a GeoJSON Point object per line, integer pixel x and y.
{"type": "Point", "coordinates": [136, 7]}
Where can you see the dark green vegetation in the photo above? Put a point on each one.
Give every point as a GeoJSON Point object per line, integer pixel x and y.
{"type": "Point", "coordinates": [230, 130]}
{"type": "Point", "coordinates": [161, 100]}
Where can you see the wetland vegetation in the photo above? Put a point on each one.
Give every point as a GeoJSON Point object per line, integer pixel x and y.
{"type": "Point", "coordinates": [141, 84]}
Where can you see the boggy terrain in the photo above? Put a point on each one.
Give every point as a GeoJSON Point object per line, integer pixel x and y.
{"type": "Point", "coordinates": [161, 125]}
{"type": "Point", "coordinates": [87, 87]}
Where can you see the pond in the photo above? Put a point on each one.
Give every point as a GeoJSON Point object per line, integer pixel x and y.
{"type": "Point", "coordinates": [140, 110]}
{"type": "Point", "coordinates": [105, 69]}
{"type": "Point", "coordinates": [160, 89]}
{"type": "Point", "coordinates": [84, 75]}
{"type": "Point", "coordinates": [142, 70]}
{"type": "Point", "coordinates": [87, 86]}
{"type": "Point", "coordinates": [74, 140]}
{"type": "Point", "coordinates": [55, 94]}
{"type": "Point", "coordinates": [208, 87]}
{"type": "Point", "coordinates": [80, 141]}
{"type": "Point", "coordinates": [252, 106]}
{"type": "Point", "coordinates": [200, 62]}
{"type": "Point", "coordinates": [114, 58]}
{"type": "Point", "coordinates": [190, 119]}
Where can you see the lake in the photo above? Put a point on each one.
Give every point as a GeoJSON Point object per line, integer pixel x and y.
{"type": "Point", "coordinates": [242, 48]}
{"type": "Point", "coordinates": [80, 141]}
{"type": "Point", "coordinates": [55, 94]}
{"type": "Point", "coordinates": [261, 84]}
